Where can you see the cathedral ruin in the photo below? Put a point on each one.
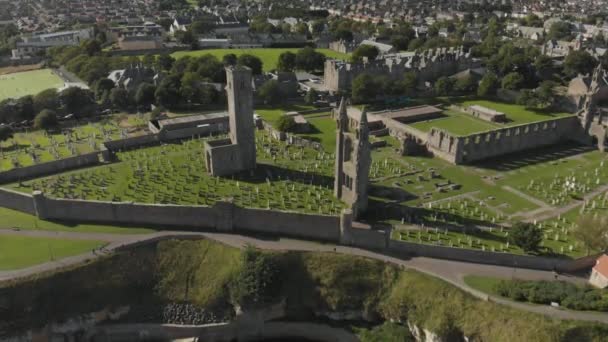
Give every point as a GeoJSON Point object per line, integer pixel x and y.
{"type": "Point", "coordinates": [353, 161]}
{"type": "Point", "coordinates": [237, 152]}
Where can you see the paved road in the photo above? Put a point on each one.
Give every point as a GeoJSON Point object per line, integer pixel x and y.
{"type": "Point", "coordinates": [450, 271]}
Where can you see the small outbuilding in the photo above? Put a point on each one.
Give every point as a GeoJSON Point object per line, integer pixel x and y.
{"type": "Point", "coordinates": [599, 272]}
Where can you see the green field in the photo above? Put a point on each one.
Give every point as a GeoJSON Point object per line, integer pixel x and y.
{"type": "Point", "coordinates": [14, 254]}
{"type": "Point", "coordinates": [323, 130]}
{"type": "Point", "coordinates": [516, 114]}
{"type": "Point", "coordinates": [272, 114]}
{"type": "Point", "coordinates": [28, 83]}
{"type": "Point", "coordinates": [269, 56]}
{"type": "Point", "coordinates": [456, 123]}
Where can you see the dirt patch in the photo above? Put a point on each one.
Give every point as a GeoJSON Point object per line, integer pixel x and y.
{"type": "Point", "coordinates": [19, 68]}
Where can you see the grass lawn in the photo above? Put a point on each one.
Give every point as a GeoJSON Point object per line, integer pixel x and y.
{"type": "Point", "coordinates": [324, 131]}
{"type": "Point", "coordinates": [456, 123]}
{"type": "Point", "coordinates": [483, 284]}
{"type": "Point", "coordinates": [517, 114]}
{"type": "Point", "coordinates": [272, 114]}
{"type": "Point", "coordinates": [19, 251]}
{"type": "Point", "coordinates": [269, 56]}
{"type": "Point", "coordinates": [16, 219]}
{"type": "Point", "coordinates": [28, 83]}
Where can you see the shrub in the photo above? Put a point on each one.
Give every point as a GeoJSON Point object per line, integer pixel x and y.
{"type": "Point", "coordinates": [286, 123]}
{"type": "Point", "coordinates": [259, 280]}
{"type": "Point", "coordinates": [46, 119]}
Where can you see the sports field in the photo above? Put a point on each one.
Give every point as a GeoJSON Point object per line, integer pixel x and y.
{"type": "Point", "coordinates": [28, 83]}
{"type": "Point", "coordinates": [14, 254]}
{"type": "Point", "coordinates": [269, 56]}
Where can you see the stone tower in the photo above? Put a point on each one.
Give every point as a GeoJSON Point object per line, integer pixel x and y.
{"type": "Point", "coordinates": [237, 153]}
{"type": "Point", "coordinates": [239, 91]}
{"type": "Point", "coordinates": [353, 161]}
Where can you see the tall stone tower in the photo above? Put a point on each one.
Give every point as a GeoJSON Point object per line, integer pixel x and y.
{"type": "Point", "coordinates": [239, 91]}
{"type": "Point", "coordinates": [353, 161]}
{"type": "Point", "coordinates": [237, 153]}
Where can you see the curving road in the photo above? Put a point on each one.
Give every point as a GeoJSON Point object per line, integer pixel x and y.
{"type": "Point", "coordinates": [450, 271]}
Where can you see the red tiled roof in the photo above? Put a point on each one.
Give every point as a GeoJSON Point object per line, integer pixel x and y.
{"type": "Point", "coordinates": [601, 265]}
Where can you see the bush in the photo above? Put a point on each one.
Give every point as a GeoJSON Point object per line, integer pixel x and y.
{"type": "Point", "coordinates": [526, 236]}
{"type": "Point", "coordinates": [286, 123]}
{"type": "Point", "coordinates": [259, 280]}
{"type": "Point", "coordinates": [546, 292]}
{"type": "Point", "coordinates": [46, 119]}
{"type": "Point", "coordinates": [5, 133]}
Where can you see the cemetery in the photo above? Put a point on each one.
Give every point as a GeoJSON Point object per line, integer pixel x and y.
{"type": "Point", "coordinates": [28, 148]}
{"type": "Point", "coordinates": [24, 83]}
{"type": "Point", "coordinates": [287, 178]}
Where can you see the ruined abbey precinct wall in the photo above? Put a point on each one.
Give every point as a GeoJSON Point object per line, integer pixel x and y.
{"type": "Point", "coordinates": [17, 201]}
{"type": "Point", "coordinates": [49, 168]}
{"type": "Point", "coordinates": [460, 150]}
{"type": "Point", "coordinates": [428, 65]}
{"type": "Point", "coordinates": [223, 216]}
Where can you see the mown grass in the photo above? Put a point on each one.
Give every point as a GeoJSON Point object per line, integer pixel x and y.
{"type": "Point", "coordinates": [24, 83]}
{"type": "Point", "coordinates": [269, 56]}
{"type": "Point", "coordinates": [483, 284]}
{"type": "Point", "coordinates": [22, 251]}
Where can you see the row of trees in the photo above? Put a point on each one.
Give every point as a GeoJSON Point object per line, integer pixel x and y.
{"type": "Point", "coordinates": [304, 59]}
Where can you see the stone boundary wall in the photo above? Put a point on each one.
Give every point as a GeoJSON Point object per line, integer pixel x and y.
{"type": "Point", "coordinates": [229, 218]}
{"type": "Point", "coordinates": [133, 142]}
{"type": "Point", "coordinates": [502, 141]}
{"type": "Point", "coordinates": [56, 166]}
{"type": "Point", "coordinates": [223, 216]}
{"type": "Point", "coordinates": [17, 201]}
{"type": "Point", "coordinates": [402, 248]}
{"type": "Point", "coordinates": [319, 227]}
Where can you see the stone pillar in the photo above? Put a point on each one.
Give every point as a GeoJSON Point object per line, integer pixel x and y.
{"type": "Point", "coordinates": [39, 204]}
{"type": "Point", "coordinates": [225, 216]}
{"type": "Point", "coordinates": [346, 225]}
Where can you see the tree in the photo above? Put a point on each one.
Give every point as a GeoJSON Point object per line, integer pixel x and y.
{"type": "Point", "coordinates": [526, 236]}
{"type": "Point", "coordinates": [286, 123]}
{"type": "Point", "coordinates": [144, 96]}
{"type": "Point", "coordinates": [5, 132]}
{"type": "Point", "coordinates": [410, 81]}
{"type": "Point", "coordinates": [165, 61]}
{"type": "Point", "coordinates": [369, 51]}
{"type": "Point", "coordinates": [229, 59]}
{"type": "Point", "coordinates": [592, 232]}
{"type": "Point", "coordinates": [119, 98]}
{"type": "Point", "coordinates": [270, 92]}
{"type": "Point", "coordinates": [24, 107]}
{"type": "Point", "coordinates": [488, 85]}
{"type": "Point", "coordinates": [512, 81]}
{"type": "Point", "coordinates": [103, 87]}
{"type": "Point", "coordinates": [540, 98]}
{"type": "Point", "coordinates": [92, 47]}
{"type": "Point", "coordinates": [311, 96]}
{"type": "Point", "coordinates": [444, 86]}
{"type": "Point", "coordinates": [465, 85]}
{"type": "Point", "coordinates": [46, 119]}
{"type": "Point", "coordinates": [364, 89]}
{"type": "Point", "coordinates": [167, 92]}
{"type": "Point", "coordinates": [309, 59]}
{"type": "Point", "coordinates": [251, 61]}
{"type": "Point", "coordinates": [287, 61]}
{"type": "Point", "coordinates": [149, 60]}
{"type": "Point", "coordinates": [543, 64]}
{"type": "Point", "coordinates": [560, 30]}
{"type": "Point", "coordinates": [46, 99]}
{"type": "Point", "coordinates": [579, 62]}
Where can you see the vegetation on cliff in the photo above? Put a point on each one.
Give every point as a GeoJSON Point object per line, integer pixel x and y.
{"type": "Point", "coordinates": [208, 274]}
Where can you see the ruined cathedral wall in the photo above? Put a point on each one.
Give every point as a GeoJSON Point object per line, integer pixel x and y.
{"type": "Point", "coordinates": [502, 141]}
